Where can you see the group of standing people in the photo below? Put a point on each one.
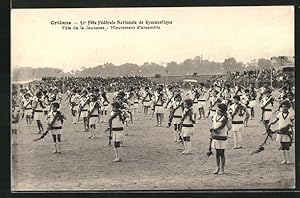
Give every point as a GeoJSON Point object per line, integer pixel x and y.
{"type": "Point", "coordinates": [229, 110]}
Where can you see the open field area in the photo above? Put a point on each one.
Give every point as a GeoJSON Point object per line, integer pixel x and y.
{"type": "Point", "coordinates": [179, 79]}
{"type": "Point", "coordinates": [151, 161]}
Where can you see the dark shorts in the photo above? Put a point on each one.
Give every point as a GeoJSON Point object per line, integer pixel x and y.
{"type": "Point", "coordinates": [285, 146]}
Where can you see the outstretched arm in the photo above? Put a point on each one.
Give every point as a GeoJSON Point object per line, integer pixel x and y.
{"type": "Point", "coordinates": [273, 122]}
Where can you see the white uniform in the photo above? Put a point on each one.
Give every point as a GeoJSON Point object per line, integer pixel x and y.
{"type": "Point", "coordinates": [201, 98]}
{"type": "Point", "coordinates": [104, 105]}
{"type": "Point", "coordinates": [39, 109]}
{"type": "Point", "coordinates": [177, 113]}
{"type": "Point", "coordinates": [246, 101]}
{"type": "Point", "coordinates": [45, 99]}
{"type": "Point", "coordinates": [282, 96]}
{"type": "Point", "coordinates": [265, 101]}
{"type": "Point", "coordinates": [187, 126]}
{"type": "Point", "coordinates": [219, 140]}
{"type": "Point", "coordinates": [238, 118]}
{"type": "Point", "coordinates": [217, 86]}
{"type": "Point", "coordinates": [56, 128]}
{"type": "Point", "coordinates": [131, 101]}
{"type": "Point", "coordinates": [93, 111]}
{"type": "Point", "coordinates": [168, 96]}
{"type": "Point", "coordinates": [27, 105]}
{"type": "Point", "coordinates": [284, 119]}
{"type": "Point", "coordinates": [84, 107]}
{"type": "Point", "coordinates": [147, 99]}
{"type": "Point", "coordinates": [213, 106]}
{"type": "Point", "coordinates": [227, 99]}
{"type": "Point", "coordinates": [252, 94]}
{"type": "Point", "coordinates": [238, 91]}
{"type": "Point", "coordinates": [210, 90]}
{"type": "Point", "coordinates": [117, 129]}
{"type": "Point", "coordinates": [55, 98]}
{"type": "Point", "coordinates": [187, 95]}
{"type": "Point", "coordinates": [75, 99]}
{"type": "Point", "coordinates": [159, 104]}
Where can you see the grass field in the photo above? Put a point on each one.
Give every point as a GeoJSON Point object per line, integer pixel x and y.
{"type": "Point", "coordinates": [151, 161]}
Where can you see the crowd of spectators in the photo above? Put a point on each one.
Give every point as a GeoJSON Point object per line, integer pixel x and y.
{"type": "Point", "coordinates": [275, 77]}
{"type": "Point", "coordinates": [111, 84]}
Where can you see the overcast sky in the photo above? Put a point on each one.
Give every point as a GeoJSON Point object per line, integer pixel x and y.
{"type": "Point", "coordinates": [216, 32]}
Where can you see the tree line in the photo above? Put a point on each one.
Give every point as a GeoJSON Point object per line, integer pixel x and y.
{"type": "Point", "coordinates": [191, 66]}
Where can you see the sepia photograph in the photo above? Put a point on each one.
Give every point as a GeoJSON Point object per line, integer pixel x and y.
{"type": "Point", "coordinates": [153, 99]}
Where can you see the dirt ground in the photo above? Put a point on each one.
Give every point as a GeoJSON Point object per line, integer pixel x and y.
{"type": "Point", "coordinates": [151, 161]}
